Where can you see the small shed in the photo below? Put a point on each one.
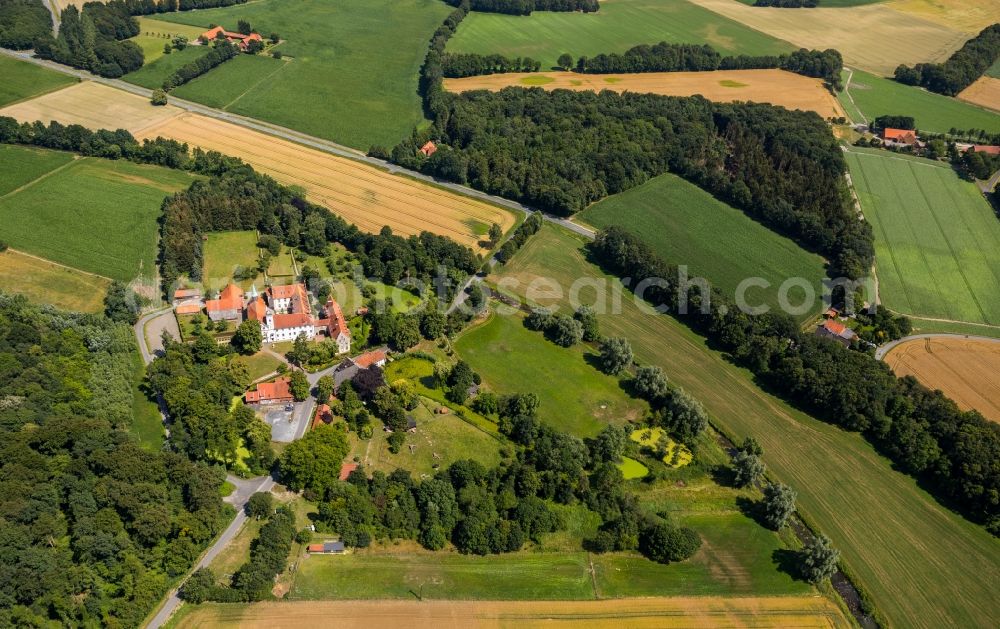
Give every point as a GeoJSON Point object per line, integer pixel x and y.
{"type": "Point", "coordinates": [327, 548]}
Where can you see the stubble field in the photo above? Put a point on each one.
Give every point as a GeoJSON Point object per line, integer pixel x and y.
{"type": "Point", "coordinates": [777, 87]}
{"type": "Point", "coordinates": [985, 92]}
{"type": "Point", "coordinates": [873, 37]}
{"type": "Point", "coordinates": [362, 194]}
{"type": "Point", "coordinates": [967, 370]}
{"type": "Point", "coordinates": [970, 16]}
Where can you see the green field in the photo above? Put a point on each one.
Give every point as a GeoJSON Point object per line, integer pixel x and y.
{"type": "Point", "coordinates": [353, 73]}
{"type": "Point", "coordinates": [688, 226]}
{"type": "Point", "coordinates": [233, 81]}
{"type": "Point", "coordinates": [618, 26]}
{"type": "Point", "coordinates": [575, 396]}
{"type": "Point", "coordinates": [23, 164]}
{"type": "Point", "coordinates": [876, 96]}
{"type": "Point", "coordinates": [153, 73]}
{"type": "Point", "coordinates": [92, 214]}
{"type": "Point", "coordinates": [223, 252]}
{"type": "Point", "coordinates": [46, 282]}
{"type": "Point", "coordinates": [937, 240]}
{"type": "Point", "coordinates": [922, 564]}
{"type": "Point", "coordinates": [23, 80]}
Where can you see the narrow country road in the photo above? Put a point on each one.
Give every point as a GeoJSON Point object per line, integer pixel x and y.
{"type": "Point", "coordinates": [881, 352]}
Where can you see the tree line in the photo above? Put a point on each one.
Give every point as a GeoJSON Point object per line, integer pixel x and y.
{"type": "Point", "coordinates": [668, 57]}
{"type": "Point", "coordinates": [953, 453]}
{"type": "Point", "coordinates": [787, 4]}
{"type": "Point", "coordinates": [525, 7]}
{"type": "Point", "coordinates": [151, 7]}
{"type": "Point", "coordinates": [95, 39]}
{"type": "Point", "coordinates": [23, 22]}
{"type": "Point", "coordinates": [960, 70]}
{"type": "Point", "coordinates": [458, 65]}
{"type": "Point", "coordinates": [561, 150]}
{"type": "Point", "coordinates": [95, 525]}
{"type": "Point", "coordinates": [221, 52]}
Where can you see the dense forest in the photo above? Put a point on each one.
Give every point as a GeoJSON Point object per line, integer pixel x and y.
{"type": "Point", "coordinates": [961, 70]}
{"type": "Point", "coordinates": [667, 57]}
{"type": "Point", "coordinates": [221, 52]}
{"type": "Point", "coordinates": [95, 39]}
{"type": "Point", "coordinates": [22, 22]}
{"type": "Point", "coordinates": [525, 7]}
{"type": "Point", "coordinates": [94, 527]}
{"type": "Point", "coordinates": [458, 65]}
{"type": "Point", "coordinates": [955, 454]}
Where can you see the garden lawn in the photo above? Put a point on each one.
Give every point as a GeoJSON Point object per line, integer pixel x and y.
{"type": "Point", "coordinates": [690, 227]}
{"type": "Point", "coordinates": [618, 26]}
{"type": "Point", "coordinates": [93, 214]}
{"type": "Point", "coordinates": [153, 73]}
{"type": "Point", "coordinates": [923, 565]}
{"type": "Point", "coordinates": [421, 373]}
{"type": "Point", "coordinates": [575, 396]}
{"type": "Point", "coordinates": [260, 364]}
{"type": "Point", "coordinates": [223, 253]}
{"type": "Point", "coordinates": [154, 33]}
{"type": "Point", "coordinates": [23, 80]}
{"type": "Point", "coordinates": [353, 73]}
{"type": "Point", "coordinates": [876, 96]}
{"type": "Point", "coordinates": [937, 240]}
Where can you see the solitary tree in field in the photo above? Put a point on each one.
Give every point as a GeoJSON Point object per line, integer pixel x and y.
{"type": "Point", "coordinates": [495, 233]}
{"type": "Point", "coordinates": [565, 61]}
{"type": "Point", "coordinates": [778, 504]}
{"type": "Point", "coordinates": [818, 559]}
{"type": "Point", "coordinates": [616, 355]}
{"type": "Point", "coordinates": [748, 468]}
{"type": "Point", "coordinates": [159, 98]}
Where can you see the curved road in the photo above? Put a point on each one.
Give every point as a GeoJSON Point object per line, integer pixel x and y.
{"type": "Point", "coordinates": [888, 347]}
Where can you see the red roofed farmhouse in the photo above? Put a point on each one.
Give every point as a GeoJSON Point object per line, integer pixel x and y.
{"type": "Point", "coordinates": [241, 40]}
{"type": "Point", "coordinates": [429, 149]}
{"type": "Point", "coordinates": [899, 137]}
{"type": "Point", "coordinates": [836, 331]}
{"type": "Point", "coordinates": [277, 392]}
{"type": "Point", "coordinates": [229, 305]}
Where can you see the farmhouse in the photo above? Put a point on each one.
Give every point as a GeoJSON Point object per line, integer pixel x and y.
{"type": "Point", "coordinates": [836, 331]}
{"type": "Point", "coordinates": [899, 137]}
{"type": "Point", "coordinates": [428, 149]}
{"type": "Point", "coordinates": [277, 392]}
{"type": "Point", "coordinates": [985, 148]}
{"type": "Point", "coordinates": [346, 469]}
{"type": "Point", "coordinates": [229, 305]}
{"type": "Point", "coordinates": [327, 548]}
{"type": "Point", "coordinates": [375, 357]}
{"type": "Point", "coordinates": [241, 40]}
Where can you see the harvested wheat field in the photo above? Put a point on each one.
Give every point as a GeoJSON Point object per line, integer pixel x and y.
{"type": "Point", "coordinates": [985, 92]}
{"type": "Point", "coordinates": [873, 37]}
{"type": "Point", "coordinates": [803, 612]}
{"type": "Point", "coordinates": [362, 194]}
{"type": "Point", "coordinates": [777, 87]}
{"type": "Point", "coordinates": [967, 370]}
{"type": "Point", "coordinates": [970, 16]}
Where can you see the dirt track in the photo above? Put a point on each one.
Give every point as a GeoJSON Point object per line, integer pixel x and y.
{"type": "Point", "coordinates": [777, 87]}
{"type": "Point", "coordinates": [967, 370]}
{"type": "Point", "coordinates": [666, 613]}
{"type": "Point", "coordinates": [364, 195]}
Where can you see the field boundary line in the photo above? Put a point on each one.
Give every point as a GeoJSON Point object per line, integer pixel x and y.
{"type": "Point", "coordinates": [59, 264]}
{"type": "Point", "coordinates": [881, 352]}
{"type": "Point", "coordinates": [847, 90]}
{"type": "Point", "coordinates": [42, 177]}
{"type": "Point", "coordinates": [254, 86]}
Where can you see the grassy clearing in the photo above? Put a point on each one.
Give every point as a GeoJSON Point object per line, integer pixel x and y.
{"type": "Point", "coordinates": [895, 537]}
{"type": "Point", "coordinates": [23, 80]}
{"type": "Point", "coordinates": [153, 34]}
{"type": "Point", "coordinates": [937, 240]}
{"type": "Point", "coordinates": [45, 282]}
{"type": "Point", "coordinates": [632, 469]}
{"type": "Point", "coordinates": [687, 225]}
{"type": "Point", "coordinates": [93, 214]}
{"type": "Point", "coordinates": [353, 73]}
{"type": "Point", "coordinates": [223, 253]}
{"type": "Point", "coordinates": [147, 423]}
{"type": "Point", "coordinates": [875, 96]}
{"type": "Point", "coordinates": [618, 26]}
{"type": "Point", "coordinates": [421, 373]}
{"type": "Point", "coordinates": [575, 396]}
{"type": "Point", "coordinates": [259, 365]}
{"type": "Point", "coordinates": [152, 74]}
{"type": "Point", "coordinates": [282, 268]}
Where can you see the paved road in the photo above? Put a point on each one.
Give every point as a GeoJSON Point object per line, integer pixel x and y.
{"type": "Point", "coordinates": [888, 347]}
{"type": "Point", "coordinates": [140, 334]}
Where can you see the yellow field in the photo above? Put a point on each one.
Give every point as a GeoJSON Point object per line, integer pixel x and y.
{"type": "Point", "coordinates": [985, 92]}
{"type": "Point", "coordinates": [970, 16]}
{"type": "Point", "coordinates": [660, 613]}
{"type": "Point", "coordinates": [777, 87]}
{"type": "Point", "coordinates": [967, 370]}
{"type": "Point", "coordinates": [46, 282]}
{"type": "Point", "coordinates": [362, 194]}
{"type": "Point", "coordinates": [873, 37]}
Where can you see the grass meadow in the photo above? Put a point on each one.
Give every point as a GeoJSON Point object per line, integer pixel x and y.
{"type": "Point", "coordinates": [23, 164]}
{"type": "Point", "coordinates": [92, 214]}
{"type": "Point", "coordinates": [353, 71]}
{"type": "Point", "coordinates": [921, 563]}
{"type": "Point", "coordinates": [688, 226]}
{"type": "Point", "coordinates": [937, 241]}
{"type": "Point", "coordinates": [223, 252]}
{"type": "Point", "coordinates": [153, 73]}
{"type": "Point", "coordinates": [23, 80]}
{"type": "Point", "coordinates": [618, 26]}
{"type": "Point", "coordinates": [575, 396]}
{"type": "Point", "coordinates": [46, 282]}
{"type": "Point", "coordinates": [876, 96]}
{"type": "Point", "coordinates": [147, 423]}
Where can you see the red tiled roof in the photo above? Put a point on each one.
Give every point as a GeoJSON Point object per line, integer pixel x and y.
{"type": "Point", "coordinates": [315, 548]}
{"type": "Point", "coordinates": [368, 359]}
{"type": "Point", "coordinates": [185, 293]}
{"type": "Point", "coordinates": [286, 291]}
{"type": "Point", "coordinates": [835, 326]}
{"type": "Point", "coordinates": [231, 298]}
{"type": "Point", "coordinates": [336, 317]}
{"type": "Point", "coordinates": [324, 415]}
{"type": "Point", "coordinates": [429, 149]}
{"type": "Point", "coordinates": [257, 309]}
{"type": "Point", "coordinates": [191, 307]}
{"type": "Point", "coordinates": [294, 320]}
{"type": "Point", "coordinates": [346, 469]}
{"type": "Point", "coordinates": [278, 391]}
{"type": "Point", "coordinates": [899, 135]}
{"type": "Point", "coordinates": [985, 148]}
